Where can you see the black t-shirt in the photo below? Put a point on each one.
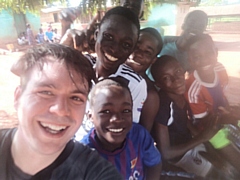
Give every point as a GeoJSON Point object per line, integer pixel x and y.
{"type": "Point", "coordinates": [75, 162]}
{"type": "Point", "coordinates": [175, 118]}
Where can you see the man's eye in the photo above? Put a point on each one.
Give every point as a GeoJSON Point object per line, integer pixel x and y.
{"type": "Point", "coordinates": [166, 78]}
{"type": "Point", "coordinates": [77, 99]}
{"type": "Point", "coordinates": [48, 93]}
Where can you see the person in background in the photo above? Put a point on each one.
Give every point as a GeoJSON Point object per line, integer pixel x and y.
{"type": "Point", "coordinates": [49, 35]}
{"type": "Point", "coordinates": [87, 43]}
{"type": "Point", "coordinates": [30, 36]}
{"type": "Point", "coordinates": [145, 54]}
{"type": "Point", "coordinates": [50, 103]}
{"type": "Point", "coordinates": [40, 36]}
{"type": "Point", "coordinates": [127, 145]}
{"type": "Point", "coordinates": [56, 36]}
{"type": "Point", "coordinates": [204, 92]}
{"type": "Point", "coordinates": [22, 40]}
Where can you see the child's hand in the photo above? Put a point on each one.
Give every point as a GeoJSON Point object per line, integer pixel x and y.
{"type": "Point", "coordinates": [229, 115]}
{"type": "Point", "coordinates": [76, 39]}
{"type": "Point", "coordinates": [211, 129]}
{"type": "Point", "coordinates": [82, 40]}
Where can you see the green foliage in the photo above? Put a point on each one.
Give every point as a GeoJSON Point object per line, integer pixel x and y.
{"type": "Point", "coordinates": [21, 6]}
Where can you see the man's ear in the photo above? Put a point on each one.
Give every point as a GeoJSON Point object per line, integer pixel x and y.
{"type": "Point", "coordinates": [17, 95]}
{"type": "Point", "coordinates": [96, 34]}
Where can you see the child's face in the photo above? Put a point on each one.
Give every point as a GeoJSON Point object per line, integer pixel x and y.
{"type": "Point", "coordinates": [202, 55]}
{"type": "Point", "coordinates": [171, 78]}
{"type": "Point", "coordinates": [144, 54]}
{"type": "Point", "coordinates": [112, 116]}
{"type": "Point", "coordinates": [195, 24]}
{"type": "Point", "coordinates": [115, 41]}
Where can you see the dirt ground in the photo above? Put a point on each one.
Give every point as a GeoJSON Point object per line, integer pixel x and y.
{"type": "Point", "coordinates": [229, 55]}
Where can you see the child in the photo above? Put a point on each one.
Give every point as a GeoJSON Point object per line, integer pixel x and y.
{"type": "Point", "coordinates": [40, 36]}
{"type": "Point", "coordinates": [170, 129]}
{"type": "Point", "coordinates": [22, 40]}
{"type": "Point", "coordinates": [205, 95]}
{"type": "Point", "coordinates": [30, 36]}
{"type": "Point", "coordinates": [145, 54]}
{"type": "Point", "coordinates": [127, 145]}
{"type": "Point", "coordinates": [205, 85]}
{"type": "Point", "coordinates": [116, 38]}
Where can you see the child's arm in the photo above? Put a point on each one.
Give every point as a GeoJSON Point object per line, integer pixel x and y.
{"type": "Point", "coordinates": [154, 172]}
{"type": "Point", "coordinates": [161, 136]}
{"type": "Point", "coordinates": [229, 115]}
{"type": "Point", "coordinates": [149, 111]}
{"type": "Point", "coordinates": [82, 40]}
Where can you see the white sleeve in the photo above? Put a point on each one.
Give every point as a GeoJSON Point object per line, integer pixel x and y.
{"type": "Point", "coordinates": [139, 95]}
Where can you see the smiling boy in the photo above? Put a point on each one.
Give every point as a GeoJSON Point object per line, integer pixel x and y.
{"type": "Point", "coordinates": [126, 145]}
{"type": "Point", "coordinates": [50, 103]}
{"type": "Point", "coordinates": [145, 54]}
{"type": "Point", "coordinates": [116, 39]}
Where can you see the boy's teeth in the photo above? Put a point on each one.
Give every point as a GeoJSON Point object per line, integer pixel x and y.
{"type": "Point", "coordinates": [206, 67]}
{"type": "Point", "coordinates": [116, 130]}
{"type": "Point", "coordinates": [132, 61]}
{"type": "Point", "coordinates": [52, 127]}
{"type": "Point", "coordinates": [111, 58]}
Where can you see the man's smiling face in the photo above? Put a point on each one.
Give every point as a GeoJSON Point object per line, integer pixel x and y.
{"type": "Point", "coordinates": [50, 106]}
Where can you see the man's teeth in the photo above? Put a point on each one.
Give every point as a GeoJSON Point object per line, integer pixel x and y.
{"type": "Point", "coordinates": [116, 130]}
{"type": "Point", "coordinates": [52, 127]}
{"type": "Point", "coordinates": [111, 58]}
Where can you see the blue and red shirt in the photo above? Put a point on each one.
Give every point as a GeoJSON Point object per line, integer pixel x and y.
{"type": "Point", "coordinates": [137, 152]}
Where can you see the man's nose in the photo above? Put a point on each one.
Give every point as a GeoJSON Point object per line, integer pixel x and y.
{"type": "Point", "coordinates": [60, 107]}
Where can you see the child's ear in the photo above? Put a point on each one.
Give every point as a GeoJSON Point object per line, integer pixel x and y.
{"type": "Point", "coordinates": [96, 34]}
{"type": "Point", "coordinates": [157, 84]}
{"type": "Point", "coordinates": [153, 61]}
{"type": "Point", "coordinates": [90, 115]}
{"type": "Point", "coordinates": [17, 94]}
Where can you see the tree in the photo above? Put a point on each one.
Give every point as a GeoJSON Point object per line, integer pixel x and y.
{"type": "Point", "coordinates": [21, 6]}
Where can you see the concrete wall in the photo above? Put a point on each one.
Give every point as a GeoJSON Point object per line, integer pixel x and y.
{"type": "Point", "coordinates": [9, 26]}
{"type": "Point", "coordinates": [8, 31]}
{"type": "Point", "coordinates": [34, 21]}
{"type": "Point", "coordinates": [231, 27]}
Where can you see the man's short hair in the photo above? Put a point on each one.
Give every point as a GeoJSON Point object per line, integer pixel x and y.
{"type": "Point", "coordinates": [74, 59]}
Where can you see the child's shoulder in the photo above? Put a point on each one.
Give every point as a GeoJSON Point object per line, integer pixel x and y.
{"type": "Point", "coordinates": [138, 131]}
